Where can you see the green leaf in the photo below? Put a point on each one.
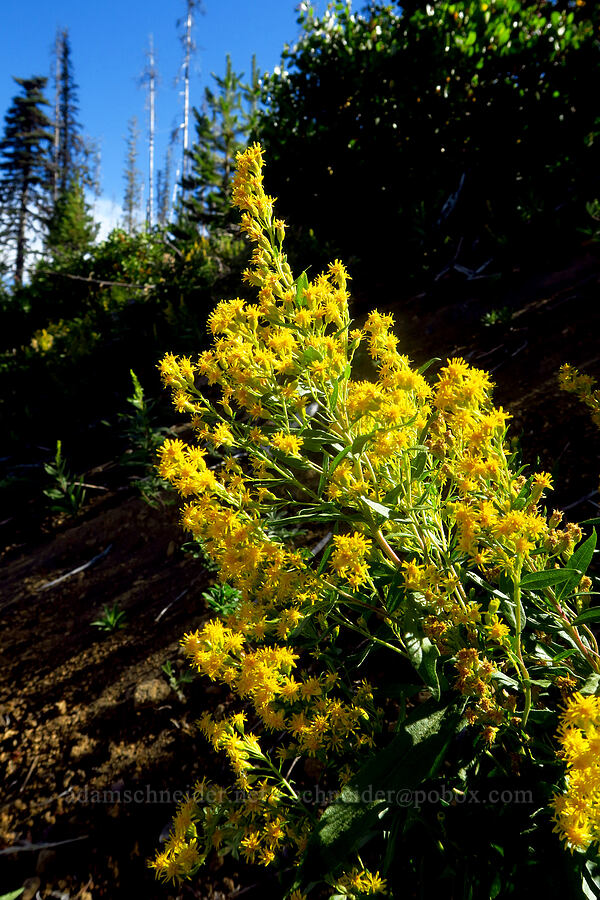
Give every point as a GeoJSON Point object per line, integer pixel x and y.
{"type": "Point", "coordinates": [324, 476]}
{"type": "Point", "coordinates": [590, 615]}
{"type": "Point", "coordinates": [591, 685]}
{"type": "Point", "coordinates": [334, 396]}
{"type": "Point", "coordinates": [543, 717]}
{"type": "Point", "coordinates": [12, 895]}
{"type": "Point", "coordinates": [473, 576]}
{"type": "Point", "coordinates": [523, 495]}
{"type": "Point", "coordinates": [413, 755]}
{"type": "Point", "coordinates": [311, 354]}
{"type": "Point", "coordinates": [379, 508]}
{"type": "Point", "coordinates": [317, 434]}
{"type": "Point", "coordinates": [337, 459]}
{"type": "Point", "coordinates": [579, 561]}
{"type": "Point", "coordinates": [391, 496]}
{"type": "Point", "coordinates": [395, 592]}
{"type": "Point", "coordinates": [563, 655]}
{"type": "Point", "coordinates": [325, 513]}
{"type": "Point", "coordinates": [359, 443]}
{"type": "Point", "coordinates": [345, 825]}
{"type": "Point", "coordinates": [422, 369]}
{"type": "Point", "coordinates": [424, 655]}
{"type": "Point", "coordinates": [418, 464]}
{"type": "Point", "coordinates": [534, 580]}
{"type": "Point", "coordinates": [506, 680]}
{"type": "Point", "coordinates": [325, 558]}
{"type": "Point", "coordinates": [314, 439]}
{"type": "Point", "coordinates": [502, 35]}
{"type": "Point", "coordinates": [286, 459]}
{"type": "Point", "coordinates": [301, 286]}
{"type": "Point", "coordinates": [582, 557]}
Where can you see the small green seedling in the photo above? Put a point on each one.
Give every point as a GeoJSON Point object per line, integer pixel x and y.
{"type": "Point", "coordinates": [177, 679]}
{"type": "Point", "coordinates": [500, 316]}
{"type": "Point", "coordinates": [112, 618]}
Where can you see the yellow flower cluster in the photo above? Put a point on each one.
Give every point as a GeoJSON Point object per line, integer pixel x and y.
{"type": "Point", "coordinates": [42, 341]}
{"type": "Point", "coordinates": [577, 810]}
{"type": "Point", "coordinates": [348, 557]}
{"type": "Point", "coordinates": [181, 856]}
{"type": "Point", "coordinates": [213, 819]}
{"type": "Point", "coordinates": [474, 680]}
{"type": "Point", "coordinates": [361, 882]}
{"type": "Point", "coordinates": [583, 386]}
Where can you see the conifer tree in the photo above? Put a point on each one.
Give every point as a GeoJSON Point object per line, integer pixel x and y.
{"type": "Point", "coordinates": [25, 168]}
{"type": "Point", "coordinates": [163, 187]}
{"type": "Point", "coordinates": [133, 188]}
{"type": "Point", "coordinates": [222, 129]}
{"type": "Point", "coordinates": [72, 152]}
{"type": "Point", "coordinates": [251, 96]}
{"type": "Point", "coordinates": [71, 230]}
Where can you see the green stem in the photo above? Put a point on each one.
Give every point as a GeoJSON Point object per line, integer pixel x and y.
{"type": "Point", "coordinates": [370, 637]}
{"type": "Point", "coordinates": [519, 628]}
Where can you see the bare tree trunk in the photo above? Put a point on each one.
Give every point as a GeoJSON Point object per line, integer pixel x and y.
{"type": "Point", "coordinates": [186, 89]}
{"type": "Point", "coordinates": [175, 188]}
{"type": "Point", "coordinates": [21, 235]}
{"type": "Point", "coordinates": [58, 80]}
{"type": "Point", "coordinates": [151, 76]}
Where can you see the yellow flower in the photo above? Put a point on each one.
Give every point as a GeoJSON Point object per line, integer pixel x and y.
{"type": "Point", "coordinates": [250, 844]}
{"type": "Point", "coordinates": [287, 443]}
{"type": "Point", "coordinates": [348, 556]}
{"type": "Point", "coordinates": [496, 630]}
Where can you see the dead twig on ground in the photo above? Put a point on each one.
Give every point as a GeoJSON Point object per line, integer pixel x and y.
{"type": "Point", "coordinates": [76, 571]}
{"type": "Point", "coordinates": [169, 605]}
{"type": "Point", "coordinates": [45, 846]}
{"type": "Point", "coordinates": [580, 501]}
{"type": "Point", "coordinates": [28, 776]}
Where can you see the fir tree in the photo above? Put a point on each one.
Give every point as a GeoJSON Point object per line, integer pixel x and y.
{"type": "Point", "coordinates": [222, 129]}
{"type": "Point", "coordinates": [251, 96]}
{"type": "Point", "coordinates": [71, 230]}
{"type": "Point", "coordinates": [133, 189]}
{"type": "Point", "coordinates": [163, 187]}
{"type": "Point", "coordinates": [72, 153]}
{"type": "Point", "coordinates": [25, 169]}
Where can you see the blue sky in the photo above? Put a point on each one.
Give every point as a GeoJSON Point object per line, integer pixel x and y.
{"type": "Point", "coordinates": [109, 39]}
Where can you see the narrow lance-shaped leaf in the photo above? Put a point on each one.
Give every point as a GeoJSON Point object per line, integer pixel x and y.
{"type": "Point", "coordinates": [579, 562]}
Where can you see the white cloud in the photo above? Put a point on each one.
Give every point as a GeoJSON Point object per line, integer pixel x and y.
{"type": "Point", "coordinates": [108, 214]}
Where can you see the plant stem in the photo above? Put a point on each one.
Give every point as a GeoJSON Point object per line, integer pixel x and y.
{"type": "Point", "coordinates": [386, 548]}
{"type": "Point", "coordinates": [519, 626]}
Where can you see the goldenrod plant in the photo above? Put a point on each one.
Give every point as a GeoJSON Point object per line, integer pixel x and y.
{"type": "Point", "coordinates": [413, 659]}
{"type": "Point", "coordinates": [584, 387]}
